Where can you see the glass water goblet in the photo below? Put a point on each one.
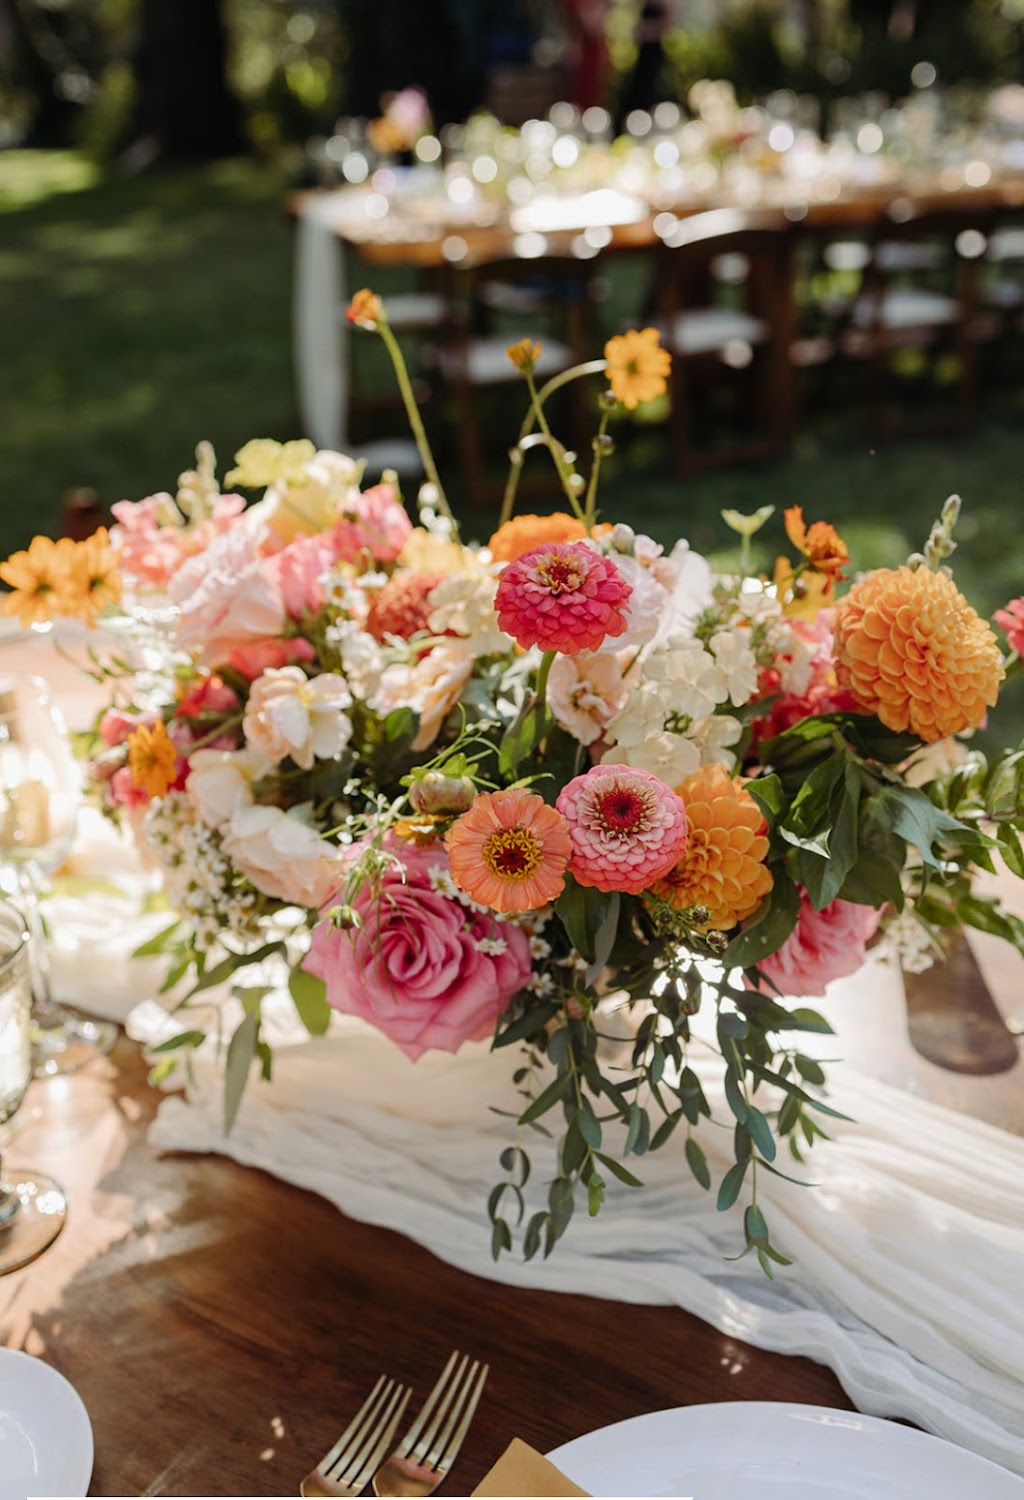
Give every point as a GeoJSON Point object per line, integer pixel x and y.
{"type": "Point", "coordinates": [40, 791]}
{"type": "Point", "coordinates": [33, 1207]}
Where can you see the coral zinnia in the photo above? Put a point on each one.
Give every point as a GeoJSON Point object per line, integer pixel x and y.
{"type": "Point", "coordinates": [509, 851]}
{"type": "Point", "coordinates": [637, 366]}
{"type": "Point", "coordinates": [627, 827]}
{"type": "Point", "coordinates": [562, 596]}
{"type": "Point", "coordinates": [401, 608]}
{"type": "Point", "coordinates": [910, 649]}
{"type": "Point", "coordinates": [523, 533]}
{"type": "Point", "coordinates": [722, 867]}
{"type": "Point", "coordinates": [152, 759]}
{"type": "Point", "coordinates": [39, 579]}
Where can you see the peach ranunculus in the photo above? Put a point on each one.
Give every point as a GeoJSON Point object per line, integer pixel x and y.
{"type": "Point", "coordinates": [427, 970]}
{"type": "Point", "coordinates": [587, 690]}
{"type": "Point", "coordinates": [432, 686]}
{"type": "Point", "coordinates": [226, 597]}
{"type": "Point", "coordinates": [289, 713]}
{"type": "Point", "coordinates": [824, 945]}
{"type": "Point", "coordinates": [282, 856]}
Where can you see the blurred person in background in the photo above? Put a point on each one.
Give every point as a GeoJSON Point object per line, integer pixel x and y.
{"type": "Point", "coordinates": [649, 81]}
{"type": "Point", "coordinates": [587, 59]}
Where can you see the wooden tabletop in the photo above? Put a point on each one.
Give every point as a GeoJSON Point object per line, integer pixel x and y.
{"type": "Point", "coordinates": [221, 1325]}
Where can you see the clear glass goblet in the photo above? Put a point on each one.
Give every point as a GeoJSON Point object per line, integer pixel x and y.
{"type": "Point", "coordinates": [40, 792]}
{"type": "Point", "coordinates": [33, 1207]}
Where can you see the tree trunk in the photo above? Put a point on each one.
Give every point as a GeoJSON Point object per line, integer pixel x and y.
{"type": "Point", "coordinates": [184, 108]}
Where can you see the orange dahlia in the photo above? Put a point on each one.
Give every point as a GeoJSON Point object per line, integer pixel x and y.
{"type": "Point", "coordinates": [510, 851]}
{"type": "Point", "coordinates": [401, 607]}
{"type": "Point", "coordinates": [909, 648]}
{"type": "Point", "coordinates": [722, 867]}
{"type": "Point", "coordinates": [523, 533]}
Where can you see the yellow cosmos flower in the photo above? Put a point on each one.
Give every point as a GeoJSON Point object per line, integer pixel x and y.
{"type": "Point", "coordinates": [152, 759]}
{"type": "Point", "coordinates": [263, 461]}
{"type": "Point", "coordinates": [524, 354]}
{"type": "Point", "coordinates": [637, 366]}
{"type": "Point", "coordinates": [39, 580]}
{"type": "Point", "coordinates": [94, 580]}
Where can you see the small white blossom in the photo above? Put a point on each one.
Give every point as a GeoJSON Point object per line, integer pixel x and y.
{"type": "Point", "coordinates": [731, 650]}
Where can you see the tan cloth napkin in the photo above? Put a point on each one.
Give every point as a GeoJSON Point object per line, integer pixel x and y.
{"type": "Point", "coordinates": [521, 1470]}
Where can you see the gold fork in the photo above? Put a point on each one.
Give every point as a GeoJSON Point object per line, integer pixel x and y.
{"type": "Point", "coordinates": [431, 1445]}
{"type": "Point", "coordinates": [347, 1467]}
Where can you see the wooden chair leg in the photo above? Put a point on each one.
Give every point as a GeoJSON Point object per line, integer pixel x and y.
{"type": "Point", "coordinates": [680, 418]}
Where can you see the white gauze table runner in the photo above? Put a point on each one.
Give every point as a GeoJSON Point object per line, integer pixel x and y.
{"type": "Point", "coordinates": [908, 1254]}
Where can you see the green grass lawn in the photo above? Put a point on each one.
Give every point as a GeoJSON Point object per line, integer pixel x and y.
{"type": "Point", "coordinates": [139, 315]}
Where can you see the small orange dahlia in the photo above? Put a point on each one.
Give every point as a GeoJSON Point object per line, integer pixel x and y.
{"type": "Point", "coordinates": [401, 608]}
{"type": "Point", "coordinates": [510, 851]}
{"type": "Point", "coordinates": [523, 533]}
{"type": "Point", "coordinates": [722, 867]}
{"type": "Point", "coordinates": [909, 648]}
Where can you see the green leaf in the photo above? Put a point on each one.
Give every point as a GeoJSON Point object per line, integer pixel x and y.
{"type": "Point", "coordinates": [223, 971]}
{"type": "Point", "coordinates": [183, 1039]}
{"type": "Point", "coordinates": [501, 1238]}
{"type": "Point", "coordinates": [729, 1188]}
{"type": "Point", "coordinates": [595, 1194]}
{"type": "Point", "coordinates": [809, 1069]}
{"type": "Point", "coordinates": [583, 911]}
{"type": "Point", "coordinates": [523, 736]}
{"type": "Point", "coordinates": [768, 928]}
{"type": "Point", "coordinates": [161, 943]}
{"type": "Point", "coordinates": [639, 1133]}
{"type": "Point", "coordinates": [768, 794]}
{"type": "Point", "coordinates": [310, 996]}
{"type": "Point", "coordinates": [810, 813]}
{"type": "Point", "coordinates": [754, 1226]}
{"type": "Point", "coordinates": [590, 1125]}
{"type": "Point", "coordinates": [528, 1024]}
{"type": "Point", "coordinates": [760, 1133]}
{"type": "Point", "coordinates": [604, 937]}
{"type": "Point", "coordinates": [911, 814]}
{"type": "Point", "coordinates": [531, 1239]}
{"type": "Point", "coordinates": [734, 1095]}
{"type": "Point", "coordinates": [558, 1086]}
{"type": "Point", "coordinates": [1010, 847]}
{"type": "Point", "coordinates": [241, 1052]}
{"type": "Point", "coordinates": [843, 847]}
{"type": "Point", "coordinates": [697, 1162]}
{"type": "Point", "coordinates": [618, 1170]}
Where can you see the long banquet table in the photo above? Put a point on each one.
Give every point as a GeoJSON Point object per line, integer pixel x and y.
{"type": "Point", "coordinates": [220, 1325]}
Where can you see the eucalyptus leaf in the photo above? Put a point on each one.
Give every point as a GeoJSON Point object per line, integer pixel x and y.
{"type": "Point", "coordinates": [310, 996]}
{"type": "Point", "coordinates": [241, 1052]}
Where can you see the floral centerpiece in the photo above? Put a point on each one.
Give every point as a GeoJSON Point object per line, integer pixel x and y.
{"type": "Point", "coordinates": [492, 792]}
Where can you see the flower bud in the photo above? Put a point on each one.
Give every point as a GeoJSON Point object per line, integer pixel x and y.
{"type": "Point", "coordinates": [365, 309]}
{"type": "Point", "coordinates": [435, 794]}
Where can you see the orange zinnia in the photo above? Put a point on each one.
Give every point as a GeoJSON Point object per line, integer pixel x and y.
{"type": "Point", "coordinates": [910, 648]}
{"type": "Point", "coordinates": [510, 851]}
{"type": "Point", "coordinates": [523, 533]}
{"type": "Point", "coordinates": [152, 759]}
{"type": "Point", "coordinates": [723, 866]}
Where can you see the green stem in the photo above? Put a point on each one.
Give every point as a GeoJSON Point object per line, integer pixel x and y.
{"type": "Point", "coordinates": [542, 675]}
{"type": "Point", "coordinates": [412, 411]}
{"type": "Point", "coordinates": [590, 508]}
{"type": "Point", "coordinates": [565, 377]}
{"type": "Point", "coordinates": [557, 449]}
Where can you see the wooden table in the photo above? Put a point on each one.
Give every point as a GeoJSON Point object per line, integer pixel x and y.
{"type": "Point", "coordinates": [221, 1325]}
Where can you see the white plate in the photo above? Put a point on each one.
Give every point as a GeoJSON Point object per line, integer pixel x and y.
{"type": "Point", "coordinates": [765, 1450]}
{"type": "Point", "coordinates": [45, 1433]}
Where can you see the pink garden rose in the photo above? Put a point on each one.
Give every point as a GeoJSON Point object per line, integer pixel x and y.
{"type": "Point", "coordinates": [824, 945]}
{"type": "Point", "coordinates": [423, 968]}
{"type": "Point", "coordinates": [226, 597]}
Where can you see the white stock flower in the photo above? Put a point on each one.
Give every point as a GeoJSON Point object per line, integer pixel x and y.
{"type": "Point", "coordinates": [289, 713]}
{"type": "Point", "coordinates": [220, 782]}
{"type": "Point", "coordinates": [731, 650]}
{"type": "Point", "coordinates": [713, 738]}
{"type": "Point", "coordinates": [464, 604]}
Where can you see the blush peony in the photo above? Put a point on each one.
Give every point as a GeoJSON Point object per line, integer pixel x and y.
{"type": "Point", "coordinates": [426, 970]}
{"type": "Point", "coordinates": [824, 945]}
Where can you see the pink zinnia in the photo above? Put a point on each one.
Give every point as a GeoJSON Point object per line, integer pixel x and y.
{"type": "Point", "coordinates": [562, 596]}
{"type": "Point", "coordinates": [628, 828]}
{"type": "Point", "coordinates": [1011, 619]}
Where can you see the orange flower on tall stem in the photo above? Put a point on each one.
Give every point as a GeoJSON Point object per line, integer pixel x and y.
{"type": "Point", "coordinates": [152, 759]}
{"type": "Point", "coordinates": [365, 309]}
{"type": "Point", "coordinates": [510, 851]}
{"type": "Point", "coordinates": [637, 366]}
{"type": "Point", "coordinates": [821, 546]}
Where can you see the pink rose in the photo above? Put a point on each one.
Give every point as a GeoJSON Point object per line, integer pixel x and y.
{"type": "Point", "coordinates": [258, 657]}
{"type": "Point", "coordinates": [226, 597]}
{"type": "Point", "coordinates": [423, 968]}
{"type": "Point", "coordinates": [824, 945]}
{"type": "Point", "coordinates": [299, 569]}
{"type": "Point", "coordinates": [374, 523]}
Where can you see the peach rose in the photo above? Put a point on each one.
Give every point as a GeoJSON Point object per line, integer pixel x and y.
{"type": "Point", "coordinates": [282, 856]}
{"type": "Point", "coordinates": [432, 686]}
{"type": "Point", "coordinates": [289, 713]}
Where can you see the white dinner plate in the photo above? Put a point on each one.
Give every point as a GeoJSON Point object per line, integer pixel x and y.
{"type": "Point", "coordinates": [766, 1450]}
{"type": "Point", "coordinates": [45, 1433]}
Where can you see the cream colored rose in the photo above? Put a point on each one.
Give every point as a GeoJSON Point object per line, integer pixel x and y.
{"type": "Point", "coordinates": [220, 782]}
{"type": "Point", "coordinates": [432, 686]}
{"type": "Point", "coordinates": [283, 857]}
{"type": "Point", "coordinates": [289, 713]}
{"type": "Point", "coordinates": [587, 690]}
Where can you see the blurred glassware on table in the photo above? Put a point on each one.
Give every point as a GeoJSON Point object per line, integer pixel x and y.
{"type": "Point", "coordinates": [33, 1207]}
{"type": "Point", "coordinates": [40, 792]}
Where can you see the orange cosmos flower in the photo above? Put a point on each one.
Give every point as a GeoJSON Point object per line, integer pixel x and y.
{"type": "Point", "coordinates": [152, 759]}
{"type": "Point", "coordinates": [524, 354]}
{"type": "Point", "coordinates": [910, 648]}
{"type": "Point", "coordinates": [39, 581]}
{"type": "Point", "coordinates": [510, 851]}
{"type": "Point", "coordinates": [365, 309]}
{"type": "Point", "coordinates": [523, 533]}
{"type": "Point", "coordinates": [93, 576]}
{"type": "Point", "coordinates": [820, 544]}
{"type": "Point", "coordinates": [637, 366]}
{"type": "Point", "coordinates": [722, 867]}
